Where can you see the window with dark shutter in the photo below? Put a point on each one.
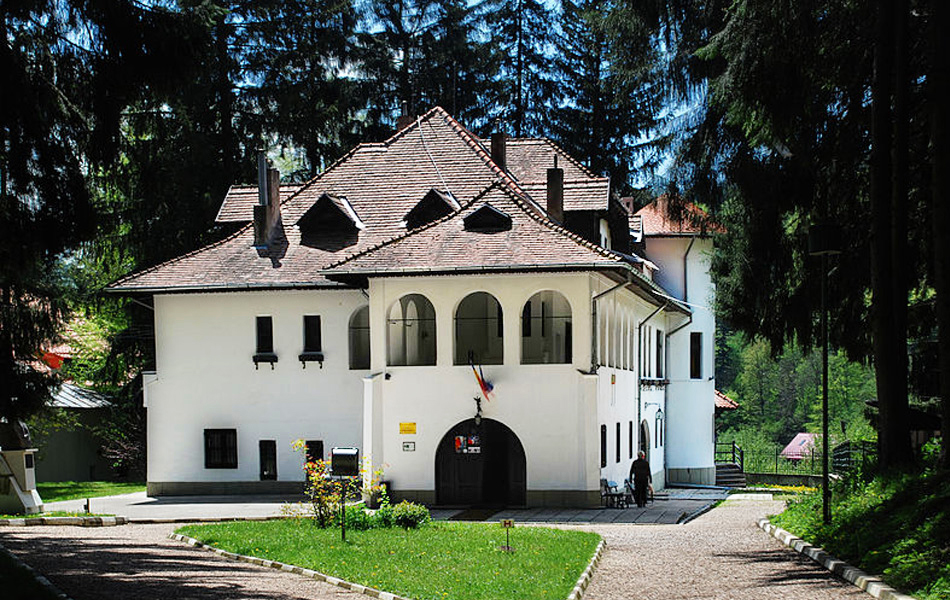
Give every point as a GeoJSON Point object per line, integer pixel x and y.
{"type": "Point", "coordinates": [264, 351]}
{"type": "Point", "coordinates": [314, 450]}
{"type": "Point", "coordinates": [221, 449]}
{"type": "Point", "coordinates": [618, 442]}
{"type": "Point", "coordinates": [312, 344]}
{"type": "Point", "coordinates": [268, 452]}
{"type": "Point", "coordinates": [696, 355]}
{"type": "Point", "coordinates": [603, 446]}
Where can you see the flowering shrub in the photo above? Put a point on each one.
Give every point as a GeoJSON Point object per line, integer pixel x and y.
{"type": "Point", "coordinates": [323, 492]}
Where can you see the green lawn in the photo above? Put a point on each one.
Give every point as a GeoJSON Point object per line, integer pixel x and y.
{"type": "Point", "coordinates": [440, 561]}
{"type": "Point", "coordinates": [57, 491]}
{"type": "Point", "coordinates": [18, 584]}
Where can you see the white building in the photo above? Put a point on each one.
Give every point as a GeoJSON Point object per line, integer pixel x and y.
{"type": "Point", "coordinates": [349, 311]}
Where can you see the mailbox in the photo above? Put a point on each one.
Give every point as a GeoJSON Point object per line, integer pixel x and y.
{"type": "Point", "coordinates": [345, 462]}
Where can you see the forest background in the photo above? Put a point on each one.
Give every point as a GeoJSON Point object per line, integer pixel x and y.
{"type": "Point", "coordinates": [124, 122]}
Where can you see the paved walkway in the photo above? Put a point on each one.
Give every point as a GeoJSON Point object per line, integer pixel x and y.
{"type": "Point", "coordinates": [720, 555]}
{"type": "Point", "coordinates": [670, 507]}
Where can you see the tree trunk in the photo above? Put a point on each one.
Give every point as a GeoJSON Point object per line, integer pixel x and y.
{"type": "Point", "coordinates": [899, 211]}
{"type": "Point", "coordinates": [940, 141]}
{"type": "Point", "coordinates": [892, 420]}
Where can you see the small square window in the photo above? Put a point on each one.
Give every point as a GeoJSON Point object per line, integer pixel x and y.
{"type": "Point", "coordinates": [221, 449]}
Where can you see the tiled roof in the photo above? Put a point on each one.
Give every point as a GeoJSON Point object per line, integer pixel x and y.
{"type": "Point", "coordinates": [381, 183]}
{"type": "Point", "coordinates": [579, 194]}
{"type": "Point", "coordinates": [725, 402]}
{"type": "Point", "coordinates": [532, 242]}
{"type": "Point", "coordinates": [655, 221]}
{"type": "Point", "coordinates": [528, 160]}
{"type": "Point", "coordinates": [238, 205]}
{"type": "Point", "coordinates": [801, 446]}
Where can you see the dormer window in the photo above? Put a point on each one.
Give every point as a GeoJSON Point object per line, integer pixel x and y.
{"type": "Point", "coordinates": [487, 219]}
{"type": "Point", "coordinates": [434, 205]}
{"type": "Point", "coordinates": [330, 224]}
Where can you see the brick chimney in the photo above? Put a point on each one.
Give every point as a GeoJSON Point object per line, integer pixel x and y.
{"type": "Point", "coordinates": [404, 119]}
{"type": "Point", "coordinates": [267, 211]}
{"type": "Point", "coordinates": [498, 149]}
{"type": "Point", "coordinates": [555, 191]}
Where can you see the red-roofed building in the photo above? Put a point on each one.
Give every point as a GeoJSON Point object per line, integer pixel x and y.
{"type": "Point", "coordinates": [353, 309]}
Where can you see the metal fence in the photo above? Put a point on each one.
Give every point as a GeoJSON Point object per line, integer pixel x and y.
{"type": "Point", "coordinates": [844, 458]}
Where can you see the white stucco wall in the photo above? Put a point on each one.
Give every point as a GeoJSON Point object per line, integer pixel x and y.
{"type": "Point", "coordinates": [542, 404]}
{"type": "Point", "coordinates": [205, 379]}
{"type": "Point", "coordinates": [690, 406]}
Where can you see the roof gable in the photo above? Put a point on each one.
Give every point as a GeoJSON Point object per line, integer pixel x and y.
{"type": "Point", "coordinates": [487, 219]}
{"type": "Point", "coordinates": [434, 205]}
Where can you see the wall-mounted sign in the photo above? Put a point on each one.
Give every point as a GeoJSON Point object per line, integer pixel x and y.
{"type": "Point", "coordinates": [468, 444]}
{"type": "Point", "coordinates": [407, 428]}
{"type": "Point", "coordinates": [408, 446]}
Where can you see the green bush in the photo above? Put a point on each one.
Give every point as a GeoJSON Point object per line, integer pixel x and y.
{"type": "Point", "coordinates": [895, 526]}
{"type": "Point", "coordinates": [408, 515]}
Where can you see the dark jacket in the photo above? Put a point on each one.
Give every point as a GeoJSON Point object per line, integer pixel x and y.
{"type": "Point", "coordinates": [640, 471]}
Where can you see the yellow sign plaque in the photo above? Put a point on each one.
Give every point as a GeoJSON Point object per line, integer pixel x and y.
{"type": "Point", "coordinates": [507, 523]}
{"type": "Point", "coordinates": [407, 428]}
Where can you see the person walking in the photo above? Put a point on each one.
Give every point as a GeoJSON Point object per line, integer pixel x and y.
{"type": "Point", "coordinates": [641, 477]}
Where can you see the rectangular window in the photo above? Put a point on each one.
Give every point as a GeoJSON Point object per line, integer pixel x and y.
{"type": "Point", "coordinates": [618, 442]}
{"type": "Point", "coordinates": [314, 450]}
{"type": "Point", "coordinates": [311, 334]}
{"type": "Point", "coordinates": [221, 449]}
{"type": "Point", "coordinates": [526, 320]}
{"type": "Point", "coordinates": [659, 354]}
{"type": "Point", "coordinates": [696, 355]}
{"type": "Point", "coordinates": [630, 439]}
{"type": "Point", "coordinates": [265, 335]}
{"type": "Point", "coordinates": [268, 451]}
{"type": "Point", "coordinates": [603, 446]}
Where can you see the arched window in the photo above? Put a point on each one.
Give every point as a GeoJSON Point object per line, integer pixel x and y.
{"type": "Point", "coordinates": [478, 330]}
{"type": "Point", "coordinates": [359, 339]}
{"type": "Point", "coordinates": [411, 329]}
{"type": "Point", "coordinates": [546, 332]}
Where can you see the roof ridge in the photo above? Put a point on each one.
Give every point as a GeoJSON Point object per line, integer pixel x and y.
{"type": "Point", "coordinates": [570, 158]}
{"type": "Point", "coordinates": [475, 144]}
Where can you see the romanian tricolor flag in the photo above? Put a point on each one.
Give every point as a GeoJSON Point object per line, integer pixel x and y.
{"type": "Point", "coordinates": [484, 384]}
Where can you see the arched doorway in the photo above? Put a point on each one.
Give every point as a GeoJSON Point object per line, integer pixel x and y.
{"type": "Point", "coordinates": [645, 439]}
{"type": "Point", "coordinates": [480, 465]}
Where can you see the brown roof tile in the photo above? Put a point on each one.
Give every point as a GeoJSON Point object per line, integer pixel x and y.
{"type": "Point", "coordinates": [238, 204]}
{"type": "Point", "coordinates": [655, 220]}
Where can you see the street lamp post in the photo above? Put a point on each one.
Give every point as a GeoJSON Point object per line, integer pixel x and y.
{"type": "Point", "coordinates": [823, 241]}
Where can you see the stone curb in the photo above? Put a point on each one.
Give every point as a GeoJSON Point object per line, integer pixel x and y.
{"type": "Point", "coordinates": [870, 584]}
{"type": "Point", "coordinates": [43, 581]}
{"type": "Point", "coordinates": [584, 580]}
{"type": "Point", "coordinates": [113, 521]}
{"type": "Point", "coordinates": [576, 594]}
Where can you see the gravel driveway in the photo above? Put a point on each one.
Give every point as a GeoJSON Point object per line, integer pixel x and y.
{"type": "Point", "coordinates": [719, 555]}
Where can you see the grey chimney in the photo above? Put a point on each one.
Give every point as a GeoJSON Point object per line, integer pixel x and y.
{"type": "Point", "coordinates": [267, 211]}
{"type": "Point", "coordinates": [555, 191]}
{"type": "Point", "coordinates": [498, 150]}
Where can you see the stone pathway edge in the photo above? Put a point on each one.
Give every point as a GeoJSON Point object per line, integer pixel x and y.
{"type": "Point", "coordinates": [575, 594]}
{"type": "Point", "coordinates": [43, 581]}
{"type": "Point", "coordinates": [869, 583]}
